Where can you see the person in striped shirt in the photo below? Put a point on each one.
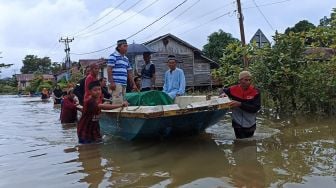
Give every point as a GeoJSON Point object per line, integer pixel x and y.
{"type": "Point", "coordinates": [119, 71]}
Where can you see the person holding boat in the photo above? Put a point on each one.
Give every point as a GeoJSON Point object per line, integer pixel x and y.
{"type": "Point", "coordinates": [57, 95]}
{"type": "Point", "coordinates": [174, 80]}
{"type": "Point", "coordinates": [69, 108]}
{"type": "Point", "coordinates": [245, 104]}
{"type": "Point", "coordinates": [119, 71]}
{"type": "Point", "coordinates": [107, 96]}
{"type": "Point", "coordinates": [88, 129]}
{"type": "Point", "coordinates": [79, 90]}
{"type": "Point", "coordinates": [44, 94]}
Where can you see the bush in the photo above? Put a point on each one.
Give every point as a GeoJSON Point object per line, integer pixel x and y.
{"type": "Point", "coordinates": [6, 89]}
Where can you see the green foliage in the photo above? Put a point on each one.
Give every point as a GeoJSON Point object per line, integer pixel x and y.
{"type": "Point", "coordinates": [44, 84]}
{"type": "Point", "coordinates": [35, 83]}
{"type": "Point", "coordinates": [292, 81]}
{"type": "Point", "coordinates": [301, 26]}
{"type": "Point", "coordinates": [7, 89]}
{"type": "Point", "coordinates": [56, 67]}
{"type": "Point", "coordinates": [33, 64]}
{"type": "Point", "coordinates": [231, 63]}
{"type": "Point", "coordinates": [2, 65]}
{"type": "Point", "coordinates": [75, 77]}
{"type": "Point", "coordinates": [217, 41]}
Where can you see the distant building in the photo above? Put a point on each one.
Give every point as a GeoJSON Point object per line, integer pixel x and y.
{"type": "Point", "coordinates": [260, 39]}
{"type": "Point", "coordinates": [320, 53]}
{"type": "Point", "coordinates": [25, 79]}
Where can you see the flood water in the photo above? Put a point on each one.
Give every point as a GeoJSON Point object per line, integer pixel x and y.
{"type": "Point", "coordinates": [37, 151]}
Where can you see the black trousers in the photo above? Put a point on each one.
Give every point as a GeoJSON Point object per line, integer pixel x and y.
{"type": "Point", "coordinates": [242, 132]}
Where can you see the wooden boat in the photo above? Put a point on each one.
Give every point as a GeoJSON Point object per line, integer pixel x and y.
{"type": "Point", "coordinates": [189, 115]}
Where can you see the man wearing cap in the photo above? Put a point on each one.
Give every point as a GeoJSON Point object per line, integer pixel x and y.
{"type": "Point", "coordinates": [147, 73]}
{"type": "Point", "coordinates": [119, 71]}
{"type": "Point", "coordinates": [245, 104]}
{"type": "Point", "coordinates": [174, 81]}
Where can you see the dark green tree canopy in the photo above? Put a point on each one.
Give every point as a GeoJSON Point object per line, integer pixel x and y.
{"type": "Point", "coordinates": [2, 65]}
{"type": "Point", "coordinates": [301, 26]}
{"type": "Point", "coordinates": [217, 42]}
{"type": "Point", "coordinates": [33, 64]}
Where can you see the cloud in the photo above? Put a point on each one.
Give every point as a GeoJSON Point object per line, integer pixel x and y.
{"type": "Point", "coordinates": [35, 26]}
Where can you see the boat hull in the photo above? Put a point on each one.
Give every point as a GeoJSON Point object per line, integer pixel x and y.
{"type": "Point", "coordinates": [131, 128]}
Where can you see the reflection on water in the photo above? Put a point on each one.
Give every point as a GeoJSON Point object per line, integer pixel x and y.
{"type": "Point", "coordinates": [37, 151]}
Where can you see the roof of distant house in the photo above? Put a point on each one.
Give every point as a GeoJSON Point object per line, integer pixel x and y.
{"type": "Point", "coordinates": [88, 62]}
{"type": "Point", "coordinates": [321, 53]}
{"type": "Point", "coordinates": [29, 77]}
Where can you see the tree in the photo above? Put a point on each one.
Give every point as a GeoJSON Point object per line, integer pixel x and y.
{"type": "Point", "coordinates": [301, 26]}
{"type": "Point", "coordinates": [292, 82]}
{"type": "Point", "coordinates": [56, 67]}
{"type": "Point", "coordinates": [2, 65]}
{"type": "Point", "coordinates": [325, 21]}
{"type": "Point", "coordinates": [33, 64]}
{"type": "Point", "coordinates": [217, 41]}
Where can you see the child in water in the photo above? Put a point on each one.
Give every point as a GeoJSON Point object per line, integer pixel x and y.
{"type": "Point", "coordinates": [88, 129]}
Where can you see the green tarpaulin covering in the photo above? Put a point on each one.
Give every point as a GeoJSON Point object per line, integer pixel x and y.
{"type": "Point", "coordinates": [148, 98]}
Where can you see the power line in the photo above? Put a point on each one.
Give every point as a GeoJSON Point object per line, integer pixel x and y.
{"type": "Point", "coordinates": [158, 19]}
{"type": "Point", "coordinates": [121, 22]}
{"type": "Point", "coordinates": [93, 23]}
{"type": "Point", "coordinates": [267, 4]}
{"type": "Point", "coordinates": [114, 18]}
{"type": "Point", "coordinates": [212, 11]}
{"type": "Point", "coordinates": [183, 12]}
{"type": "Point", "coordinates": [228, 13]}
{"type": "Point", "coordinates": [269, 24]}
{"type": "Point", "coordinates": [205, 23]}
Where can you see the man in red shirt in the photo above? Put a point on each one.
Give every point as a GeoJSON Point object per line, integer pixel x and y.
{"type": "Point", "coordinates": [93, 76]}
{"type": "Point", "coordinates": [245, 105]}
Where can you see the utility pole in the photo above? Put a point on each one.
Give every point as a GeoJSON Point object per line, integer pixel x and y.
{"type": "Point", "coordinates": [242, 33]}
{"type": "Point", "coordinates": [66, 42]}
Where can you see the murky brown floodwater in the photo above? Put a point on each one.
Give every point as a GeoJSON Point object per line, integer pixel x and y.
{"type": "Point", "coordinates": [37, 151]}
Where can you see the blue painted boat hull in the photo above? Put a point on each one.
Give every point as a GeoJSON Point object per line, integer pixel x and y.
{"type": "Point", "coordinates": [158, 127]}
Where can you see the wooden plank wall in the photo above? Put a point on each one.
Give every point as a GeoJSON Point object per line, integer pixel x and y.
{"type": "Point", "coordinates": [202, 72]}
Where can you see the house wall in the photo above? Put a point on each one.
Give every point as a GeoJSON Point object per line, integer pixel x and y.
{"type": "Point", "coordinates": [202, 73]}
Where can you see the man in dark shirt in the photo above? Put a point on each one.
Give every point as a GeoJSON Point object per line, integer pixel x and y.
{"type": "Point", "coordinates": [79, 90]}
{"type": "Point", "coordinates": [104, 88]}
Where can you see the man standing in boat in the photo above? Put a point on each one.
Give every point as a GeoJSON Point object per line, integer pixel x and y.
{"type": "Point", "coordinates": [245, 105]}
{"type": "Point", "coordinates": [147, 73]}
{"type": "Point", "coordinates": [174, 81]}
{"type": "Point", "coordinates": [119, 71]}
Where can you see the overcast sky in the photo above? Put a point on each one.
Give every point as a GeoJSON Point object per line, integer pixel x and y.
{"type": "Point", "coordinates": [35, 26]}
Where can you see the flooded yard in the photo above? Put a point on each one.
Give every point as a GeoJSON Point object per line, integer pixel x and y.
{"type": "Point", "coordinates": [37, 151]}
